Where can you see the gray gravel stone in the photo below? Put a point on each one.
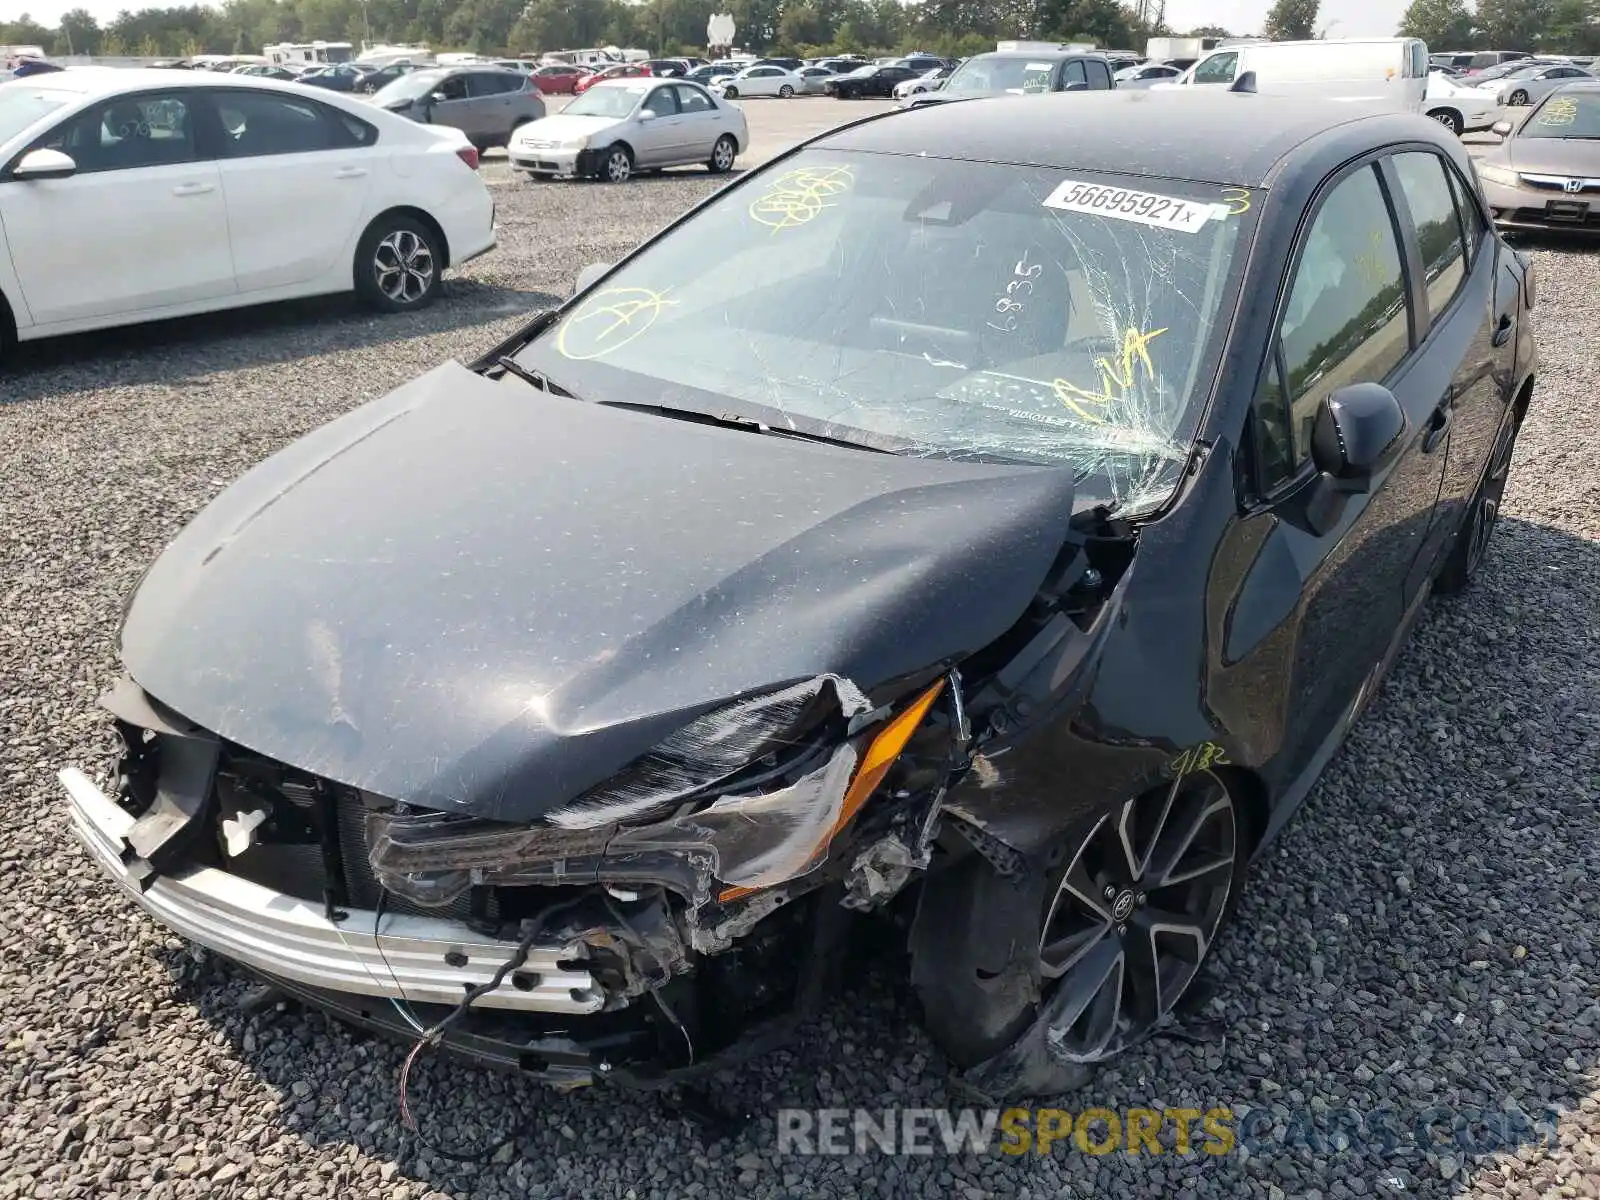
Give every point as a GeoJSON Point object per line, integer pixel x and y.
{"type": "Point", "coordinates": [1423, 934]}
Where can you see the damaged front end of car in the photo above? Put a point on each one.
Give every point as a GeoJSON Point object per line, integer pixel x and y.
{"type": "Point", "coordinates": [659, 923]}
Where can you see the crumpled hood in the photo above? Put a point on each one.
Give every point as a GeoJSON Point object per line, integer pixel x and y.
{"type": "Point", "coordinates": [562, 127]}
{"type": "Point", "coordinates": [479, 597]}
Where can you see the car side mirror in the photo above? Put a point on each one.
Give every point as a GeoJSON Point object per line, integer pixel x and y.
{"type": "Point", "coordinates": [1358, 432]}
{"type": "Point", "coordinates": [437, 98]}
{"type": "Point", "coordinates": [44, 164]}
{"type": "Point", "coordinates": [1503, 128]}
{"type": "Point", "coordinates": [647, 114]}
{"type": "Point", "coordinates": [588, 276]}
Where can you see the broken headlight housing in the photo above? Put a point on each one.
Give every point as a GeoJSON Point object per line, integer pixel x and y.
{"type": "Point", "coordinates": [785, 755]}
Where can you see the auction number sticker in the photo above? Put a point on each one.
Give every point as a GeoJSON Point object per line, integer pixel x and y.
{"type": "Point", "coordinates": [1125, 204]}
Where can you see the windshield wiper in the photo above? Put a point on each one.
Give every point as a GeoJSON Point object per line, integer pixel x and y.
{"type": "Point", "coordinates": [738, 421]}
{"type": "Point", "coordinates": [537, 378]}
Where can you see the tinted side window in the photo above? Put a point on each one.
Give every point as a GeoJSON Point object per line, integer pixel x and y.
{"type": "Point", "coordinates": [485, 83]}
{"type": "Point", "coordinates": [150, 129]}
{"type": "Point", "coordinates": [1216, 69]}
{"type": "Point", "coordinates": [693, 100]}
{"type": "Point", "coordinates": [1099, 77]}
{"type": "Point", "coordinates": [1346, 320]}
{"type": "Point", "coordinates": [1433, 212]}
{"type": "Point", "coordinates": [1472, 222]}
{"type": "Point", "coordinates": [663, 102]}
{"type": "Point", "coordinates": [258, 124]}
{"type": "Point", "coordinates": [1072, 72]}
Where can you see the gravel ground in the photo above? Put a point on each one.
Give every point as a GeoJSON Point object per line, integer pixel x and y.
{"type": "Point", "coordinates": [1423, 935]}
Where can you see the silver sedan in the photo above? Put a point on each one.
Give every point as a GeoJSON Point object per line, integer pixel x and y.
{"type": "Point", "coordinates": [621, 126]}
{"type": "Point", "coordinates": [1533, 85]}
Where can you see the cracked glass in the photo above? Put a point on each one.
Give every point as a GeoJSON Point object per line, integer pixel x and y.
{"type": "Point", "coordinates": [933, 307]}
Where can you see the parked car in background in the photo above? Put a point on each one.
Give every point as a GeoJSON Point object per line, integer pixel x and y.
{"type": "Point", "coordinates": [979, 549]}
{"type": "Point", "coordinates": [335, 77]}
{"type": "Point", "coordinates": [668, 68]}
{"type": "Point", "coordinates": [375, 79]}
{"type": "Point", "coordinates": [1392, 72]}
{"type": "Point", "coordinates": [485, 103]}
{"type": "Point", "coordinates": [1142, 75]}
{"type": "Point", "coordinates": [1545, 173]}
{"type": "Point", "coordinates": [787, 64]}
{"type": "Point", "coordinates": [192, 191]}
{"type": "Point", "coordinates": [1485, 60]}
{"type": "Point", "coordinates": [929, 81]}
{"type": "Point", "coordinates": [1020, 72]}
{"type": "Point", "coordinates": [872, 80]}
{"type": "Point", "coordinates": [814, 80]}
{"type": "Point", "coordinates": [1527, 86]}
{"type": "Point", "coordinates": [558, 79]}
{"type": "Point", "coordinates": [622, 126]}
{"type": "Point", "coordinates": [614, 71]}
{"type": "Point", "coordinates": [921, 64]}
{"type": "Point", "coordinates": [760, 81]}
{"type": "Point", "coordinates": [1489, 77]}
{"type": "Point", "coordinates": [711, 72]}
{"type": "Point", "coordinates": [1456, 106]}
{"type": "Point", "coordinates": [268, 71]}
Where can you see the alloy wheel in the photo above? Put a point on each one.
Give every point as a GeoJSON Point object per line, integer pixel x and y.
{"type": "Point", "coordinates": [1486, 515]}
{"type": "Point", "coordinates": [1519, 98]}
{"type": "Point", "coordinates": [403, 266]}
{"type": "Point", "coordinates": [1448, 119]}
{"type": "Point", "coordinates": [722, 154]}
{"type": "Point", "coordinates": [1136, 913]}
{"type": "Point", "coordinates": [618, 166]}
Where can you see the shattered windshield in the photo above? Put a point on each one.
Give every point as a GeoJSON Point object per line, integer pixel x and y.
{"type": "Point", "coordinates": [932, 307]}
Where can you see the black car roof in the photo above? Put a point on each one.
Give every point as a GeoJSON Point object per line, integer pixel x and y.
{"type": "Point", "coordinates": [1204, 134]}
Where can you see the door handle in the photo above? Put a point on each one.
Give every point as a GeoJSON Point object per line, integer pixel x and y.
{"type": "Point", "coordinates": [1438, 425]}
{"type": "Point", "coordinates": [349, 172]}
{"type": "Point", "coordinates": [193, 189]}
{"type": "Point", "coordinates": [1502, 330]}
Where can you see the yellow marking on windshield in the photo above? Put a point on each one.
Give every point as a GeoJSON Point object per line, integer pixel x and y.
{"type": "Point", "coordinates": [1561, 111]}
{"type": "Point", "coordinates": [1116, 379]}
{"type": "Point", "coordinates": [609, 320]}
{"type": "Point", "coordinates": [798, 197]}
{"type": "Point", "coordinates": [1238, 202]}
{"type": "Point", "coordinates": [1372, 265]}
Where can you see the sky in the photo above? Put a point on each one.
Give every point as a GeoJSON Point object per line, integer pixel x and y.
{"type": "Point", "coordinates": [1348, 18]}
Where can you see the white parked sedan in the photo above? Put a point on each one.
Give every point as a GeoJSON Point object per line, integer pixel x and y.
{"type": "Point", "coordinates": [761, 81]}
{"type": "Point", "coordinates": [130, 196]}
{"type": "Point", "coordinates": [621, 126]}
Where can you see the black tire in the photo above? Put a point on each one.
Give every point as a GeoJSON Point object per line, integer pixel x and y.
{"type": "Point", "coordinates": [1085, 945]}
{"type": "Point", "coordinates": [617, 165]}
{"type": "Point", "coordinates": [722, 155]}
{"type": "Point", "coordinates": [1449, 118]}
{"type": "Point", "coordinates": [399, 264]}
{"type": "Point", "coordinates": [1472, 540]}
{"type": "Point", "coordinates": [1518, 98]}
{"type": "Point", "coordinates": [730, 93]}
{"type": "Point", "coordinates": [785, 92]}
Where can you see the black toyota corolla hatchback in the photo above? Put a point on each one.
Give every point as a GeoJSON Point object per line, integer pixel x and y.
{"type": "Point", "coordinates": [990, 517]}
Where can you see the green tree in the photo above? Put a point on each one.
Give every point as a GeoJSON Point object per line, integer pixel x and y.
{"type": "Point", "coordinates": [1514, 24]}
{"type": "Point", "coordinates": [1291, 20]}
{"type": "Point", "coordinates": [1211, 31]}
{"type": "Point", "coordinates": [1443, 24]}
{"type": "Point", "coordinates": [1573, 28]}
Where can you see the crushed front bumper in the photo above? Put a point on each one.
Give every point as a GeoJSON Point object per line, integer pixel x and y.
{"type": "Point", "coordinates": [421, 960]}
{"type": "Point", "coordinates": [554, 161]}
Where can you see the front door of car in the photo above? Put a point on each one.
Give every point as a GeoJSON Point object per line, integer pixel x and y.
{"type": "Point", "coordinates": [454, 107]}
{"type": "Point", "coordinates": [658, 132]}
{"type": "Point", "coordinates": [1318, 608]}
{"type": "Point", "coordinates": [1218, 68]}
{"type": "Point", "coordinates": [141, 225]}
{"type": "Point", "coordinates": [700, 126]}
{"type": "Point", "coordinates": [296, 174]}
{"type": "Point", "coordinates": [491, 93]}
{"type": "Point", "coordinates": [1458, 316]}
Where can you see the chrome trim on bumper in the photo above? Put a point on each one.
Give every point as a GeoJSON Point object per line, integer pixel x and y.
{"type": "Point", "coordinates": [285, 936]}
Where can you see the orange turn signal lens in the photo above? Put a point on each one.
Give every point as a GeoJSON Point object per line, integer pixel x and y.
{"type": "Point", "coordinates": [875, 763]}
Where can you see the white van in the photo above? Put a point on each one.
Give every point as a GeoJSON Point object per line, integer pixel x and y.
{"type": "Point", "coordinates": [1390, 71]}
